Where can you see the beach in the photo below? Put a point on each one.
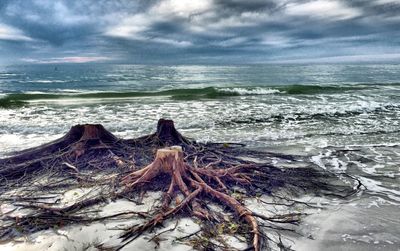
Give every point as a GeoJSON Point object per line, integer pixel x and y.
{"type": "Point", "coordinates": [342, 118]}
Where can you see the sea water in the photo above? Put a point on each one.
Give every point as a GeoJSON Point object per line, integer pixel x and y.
{"type": "Point", "coordinates": [342, 118]}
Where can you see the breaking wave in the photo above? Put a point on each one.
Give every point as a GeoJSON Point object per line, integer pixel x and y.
{"type": "Point", "coordinates": [14, 100]}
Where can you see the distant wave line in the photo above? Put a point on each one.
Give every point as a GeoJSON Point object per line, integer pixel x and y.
{"type": "Point", "coordinates": [13, 100]}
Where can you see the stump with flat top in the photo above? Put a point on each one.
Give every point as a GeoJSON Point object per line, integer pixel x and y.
{"type": "Point", "coordinates": [190, 182]}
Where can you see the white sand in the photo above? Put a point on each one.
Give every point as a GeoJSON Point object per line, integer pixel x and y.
{"type": "Point", "coordinates": [86, 237]}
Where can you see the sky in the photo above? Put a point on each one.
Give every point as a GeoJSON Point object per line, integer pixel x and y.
{"type": "Point", "coordinates": [199, 31]}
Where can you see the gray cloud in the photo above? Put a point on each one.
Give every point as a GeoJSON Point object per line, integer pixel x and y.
{"type": "Point", "coordinates": [207, 31]}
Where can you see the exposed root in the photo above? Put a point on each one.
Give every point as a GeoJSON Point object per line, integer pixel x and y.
{"type": "Point", "coordinates": [190, 174]}
{"type": "Point", "coordinates": [187, 180]}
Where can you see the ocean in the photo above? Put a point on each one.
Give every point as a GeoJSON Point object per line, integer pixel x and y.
{"type": "Point", "coordinates": [343, 118]}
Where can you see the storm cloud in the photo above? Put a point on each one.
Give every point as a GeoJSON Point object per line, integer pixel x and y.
{"type": "Point", "coordinates": [206, 31]}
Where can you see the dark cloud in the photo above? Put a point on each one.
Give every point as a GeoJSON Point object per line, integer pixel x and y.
{"type": "Point", "coordinates": [377, 8]}
{"type": "Point", "coordinates": [239, 6]}
{"type": "Point", "coordinates": [207, 31]}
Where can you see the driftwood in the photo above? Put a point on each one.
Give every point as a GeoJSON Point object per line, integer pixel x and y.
{"type": "Point", "coordinates": [199, 172]}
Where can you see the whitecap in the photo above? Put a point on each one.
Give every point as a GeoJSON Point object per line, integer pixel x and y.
{"type": "Point", "coordinates": [46, 81]}
{"type": "Point", "coordinates": [250, 91]}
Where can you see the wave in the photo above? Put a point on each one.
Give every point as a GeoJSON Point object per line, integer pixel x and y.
{"type": "Point", "coordinates": [20, 99]}
{"type": "Point", "coordinates": [249, 91]}
{"type": "Point", "coordinates": [318, 89]}
{"type": "Point", "coordinates": [295, 89]}
{"type": "Point", "coordinates": [48, 81]}
{"type": "Point", "coordinates": [305, 116]}
{"type": "Point", "coordinates": [6, 103]}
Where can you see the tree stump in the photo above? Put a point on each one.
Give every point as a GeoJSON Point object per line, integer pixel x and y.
{"type": "Point", "coordinates": [166, 135]}
{"type": "Point", "coordinates": [94, 131]}
{"type": "Point", "coordinates": [190, 182]}
{"type": "Point", "coordinates": [78, 133]}
{"type": "Point", "coordinates": [78, 140]}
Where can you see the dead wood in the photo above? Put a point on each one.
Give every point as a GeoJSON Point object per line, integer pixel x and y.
{"type": "Point", "coordinates": [188, 173]}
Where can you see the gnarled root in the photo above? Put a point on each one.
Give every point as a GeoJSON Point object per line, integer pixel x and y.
{"type": "Point", "coordinates": [190, 182]}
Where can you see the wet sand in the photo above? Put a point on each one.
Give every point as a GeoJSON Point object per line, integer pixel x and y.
{"type": "Point", "coordinates": [356, 226]}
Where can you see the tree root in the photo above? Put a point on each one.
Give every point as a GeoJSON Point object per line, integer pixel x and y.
{"type": "Point", "coordinates": [188, 173]}
{"type": "Point", "coordinates": [190, 182]}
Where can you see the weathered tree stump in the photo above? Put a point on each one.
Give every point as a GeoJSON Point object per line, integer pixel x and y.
{"type": "Point", "coordinates": [166, 135]}
{"type": "Point", "coordinates": [77, 133]}
{"type": "Point", "coordinates": [190, 182]}
{"type": "Point", "coordinates": [94, 131]}
{"type": "Point", "coordinates": [78, 140]}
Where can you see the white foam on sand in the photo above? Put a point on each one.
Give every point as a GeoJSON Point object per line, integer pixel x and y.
{"type": "Point", "coordinates": [376, 187]}
{"type": "Point", "coordinates": [351, 227]}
